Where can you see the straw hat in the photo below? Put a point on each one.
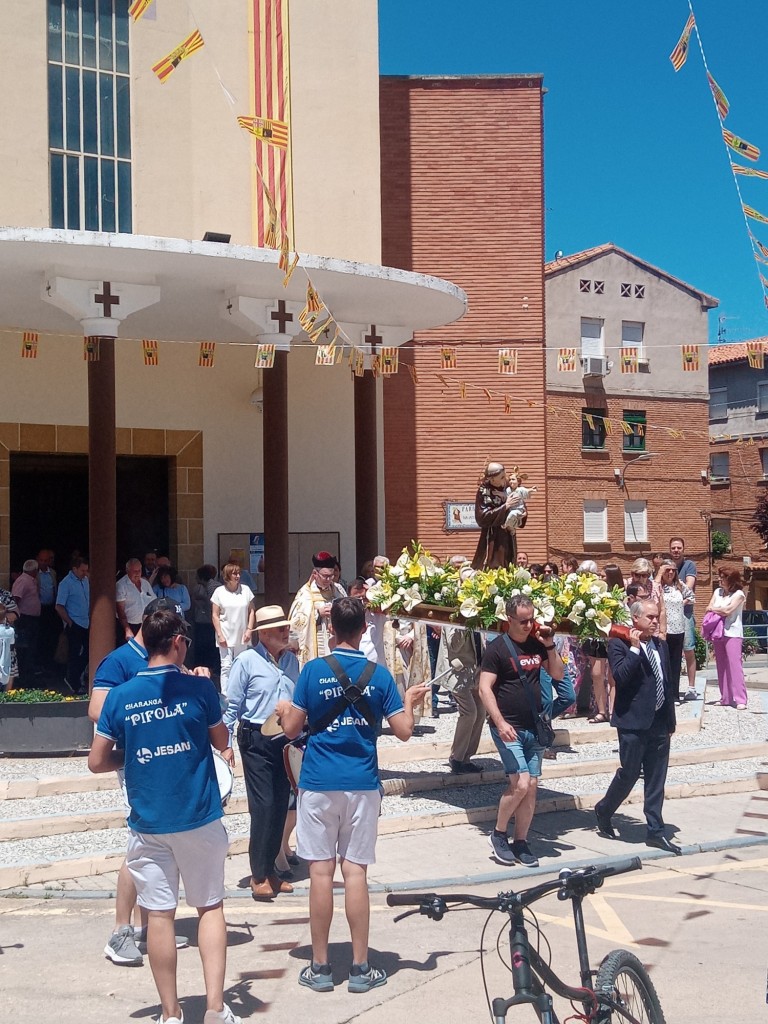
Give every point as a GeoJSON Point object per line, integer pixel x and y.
{"type": "Point", "coordinates": [270, 616]}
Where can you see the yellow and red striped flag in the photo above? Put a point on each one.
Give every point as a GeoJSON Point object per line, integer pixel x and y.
{"type": "Point", "coordinates": [763, 248]}
{"type": "Point", "coordinates": [448, 358]}
{"type": "Point", "coordinates": [590, 420]}
{"type": "Point", "coordinates": [191, 44]}
{"type": "Point", "coordinates": [321, 328]}
{"type": "Point", "coordinates": [763, 280]}
{"type": "Point", "coordinates": [740, 146]}
{"type": "Point", "coordinates": [149, 348]}
{"type": "Point", "coordinates": [207, 353]}
{"type": "Point", "coordinates": [357, 362]}
{"type": "Point", "coordinates": [29, 343]}
{"type": "Point", "coordinates": [608, 424]}
{"type": "Point", "coordinates": [691, 357]}
{"type": "Point", "coordinates": [412, 370]}
{"type": "Point", "coordinates": [507, 403]}
{"type": "Point", "coordinates": [680, 53]}
{"type": "Point", "coordinates": [754, 214]}
{"type": "Point", "coordinates": [566, 360]}
{"type": "Point", "coordinates": [627, 428]}
{"type": "Point", "coordinates": [375, 366]}
{"type": "Point", "coordinates": [462, 390]}
{"type": "Point", "coordinates": [314, 302]}
{"type": "Point", "coordinates": [91, 350]}
{"type": "Point", "coordinates": [719, 97]}
{"type": "Point", "coordinates": [628, 358]}
{"type": "Point", "coordinates": [750, 172]}
{"type": "Point", "coordinates": [265, 129]}
{"type": "Point", "coordinates": [139, 7]}
{"type": "Point", "coordinates": [289, 272]}
{"type": "Point", "coordinates": [285, 248]}
{"type": "Point", "coordinates": [508, 360]}
{"type": "Point", "coordinates": [390, 361]}
{"type": "Point", "coordinates": [755, 355]}
{"type": "Point", "coordinates": [265, 357]}
{"type": "Point", "coordinates": [325, 355]}
{"type": "Point", "coordinates": [270, 100]}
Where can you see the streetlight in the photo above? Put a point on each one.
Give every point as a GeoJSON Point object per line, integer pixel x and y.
{"type": "Point", "coordinates": [620, 473]}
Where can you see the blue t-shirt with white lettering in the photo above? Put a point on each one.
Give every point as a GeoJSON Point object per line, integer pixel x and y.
{"type": "Point", "coordinates": [120, 665]}
{"type": "Point", "coordinates": [161, 719]}
{"type": "Point", "coordinates": [343, 756]}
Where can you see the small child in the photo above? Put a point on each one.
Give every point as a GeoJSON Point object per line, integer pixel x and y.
{"type": "Point", "coordinates": [7, 639]}
{"type": "Point", "coordinates": [514, 487]}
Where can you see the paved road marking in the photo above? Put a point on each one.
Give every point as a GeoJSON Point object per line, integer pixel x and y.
{"type": "Point", "coordinates": [727, 905]}
{"type": "Point", "coordinates": [611, 920]}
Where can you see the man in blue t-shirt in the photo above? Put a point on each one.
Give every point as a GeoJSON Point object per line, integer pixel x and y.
{"type": "Point", "coordinates": [117, 668]}
{"type": "Point", "coordinates": [160, 726]}
{"type": "Point", "coordinates": [339, 796]}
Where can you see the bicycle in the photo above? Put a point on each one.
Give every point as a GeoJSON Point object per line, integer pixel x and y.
{"type": "Point", "coordinates": [619, 991]}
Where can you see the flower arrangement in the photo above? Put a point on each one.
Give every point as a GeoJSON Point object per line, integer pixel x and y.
{"type": "Point", "coordinates": [415, 578]}
{"type": "Point", "coordinates": [585, 602]}
{"type": "Point", "coordinates": [37, 697]}
{"type": "Point", "coordinates": [482, 597]}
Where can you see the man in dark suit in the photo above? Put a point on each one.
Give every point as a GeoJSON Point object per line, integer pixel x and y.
{"type": "Point", "coordinates": [644, 715]}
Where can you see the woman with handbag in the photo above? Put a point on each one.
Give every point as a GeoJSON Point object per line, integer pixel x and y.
{"type": "Point", "coordinates": [728, 602]}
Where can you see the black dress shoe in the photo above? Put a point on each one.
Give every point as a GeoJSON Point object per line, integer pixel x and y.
{"type": "Point", "coordinates": [662, 843]}
{"type": "Point", "coordinates": [604, 826]}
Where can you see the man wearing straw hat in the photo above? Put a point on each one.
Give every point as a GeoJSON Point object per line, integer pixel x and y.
{"type": "Point", "coordinates": [260, 687]}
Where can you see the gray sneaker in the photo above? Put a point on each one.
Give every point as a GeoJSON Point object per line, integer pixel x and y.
{"type": "Point", "coordinates": [320, 980]}
{"type": "Point", "coordinates": [521, 851]}
{"type": "Point", "coordinates": [363, 977]}
{"type": "Point", "coordinates": [122, 948]}
{"type": "Point", "coordinates": [140, 938]}
{"type": "Point", "coordinates": [691, 695]}
{"type": "Point", "coordinates": [501, 849]}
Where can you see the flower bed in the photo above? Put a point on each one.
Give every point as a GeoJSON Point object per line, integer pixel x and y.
{"type": "Point", "coordinates": [43, 722]}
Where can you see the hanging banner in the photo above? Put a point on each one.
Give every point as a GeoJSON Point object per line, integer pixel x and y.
{"type": "Point", "coordinates": [750, 172]}
{"type": "Point", "coordinates": [507, 403]}
{"type": "Point", "coordinates": [274, 133]}
{"type": "Point", "coordinates": [719, 97]}
{"type": "Point", "coordinates": [754, 214]}
{"type": "Point", "coordinates": [745, 149]}
{"type": "Point", "coordinates": [149, 349]}
{"type": "Point", "coordinates": [566, 360]}
{"type": "Point", "coordinates": [265, 357]}
{"type": "Point", "coordinates": [322, 328]}
{"type": "Point", "coordinates": [680, 53]}
{"type": "Point", "coordinates": [691, 357]}
{"type": "Point", "coordinates": [191, 45]}
{"type": "Point", "coordinates": [29, 343]}
{"type": "Point", "coordinates": [138, 8]}
{"type": "Point", "coordinates": [207, 353]}
{"type": "Point", "coordinates": [448, 358]}
{"type": "Point", "coordinates": [325, 355]}
{"type": "Point", "coordinates": [755, 355]}
{"type": "Point", "coordinates": [357, 362]}
{"type": "Point", "coordinates": [507, 360]}
{"type": "Point", "coordinates": [271, 103]}
{"type": "Point", "coordinates": [314, 302]}
{"type": "Point", "coordinates": [389, 362]}
{"type": "Point", "coordinates": [412, 370]}
{"type": "Point", "coordinates": [91, 350]}
{"type": "Point", "coordinates": [628, 357]}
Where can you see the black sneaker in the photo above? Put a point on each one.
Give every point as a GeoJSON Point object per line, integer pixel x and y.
{"type": "Point", "coordinates": [521, 851]}
{"type": "Point", "coordinates": [501, 849]}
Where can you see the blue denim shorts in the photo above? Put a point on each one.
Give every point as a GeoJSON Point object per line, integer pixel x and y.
{"type": "Point", "coordinates": [689, 643]}
{"type": "Point", "coordinates": [522, 754]}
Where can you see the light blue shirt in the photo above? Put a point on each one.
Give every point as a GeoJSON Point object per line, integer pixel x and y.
{"type": "Point", "coordinates": [7, 636]}
{"type": "Point", "coordinates": [178, 593]}
{"type": "Point", "coordinates": [256, 683]}
{"type": "Point", "coordinates": [46, 584]}
{"type": "Point", "coordinates": [75, 596]}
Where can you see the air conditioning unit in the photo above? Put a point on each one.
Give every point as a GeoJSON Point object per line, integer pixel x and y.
{"type": "Point", "coordinates": [594, 366]}
{"type": "Point", "coordinates": [644, 365]}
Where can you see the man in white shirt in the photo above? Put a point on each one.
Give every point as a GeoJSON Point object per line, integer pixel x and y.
{"type": "Point", "coordinates": [134, 593]}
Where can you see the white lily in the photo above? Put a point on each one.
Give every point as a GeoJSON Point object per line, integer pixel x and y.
{"type": "Point", "coordinates": [411, 597]}
{"type": "Point", "coordinates": [590, 613]}
{"type": "Point", "coordinates": [500, 608]}
{"type": "Point", "coordinates": [603, 623]}
{"type": "Point", "coordinates": [469, 608]}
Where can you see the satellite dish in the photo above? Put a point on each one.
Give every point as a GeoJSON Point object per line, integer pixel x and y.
{"type": "Point", "coordinates": [559, 254]}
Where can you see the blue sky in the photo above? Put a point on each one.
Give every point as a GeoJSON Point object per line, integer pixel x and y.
{"type": "Point", "coordinates": [633, 150]}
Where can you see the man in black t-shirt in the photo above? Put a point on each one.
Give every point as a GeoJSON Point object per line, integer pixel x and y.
{"type": "Point", "coordinates": [512, 705]}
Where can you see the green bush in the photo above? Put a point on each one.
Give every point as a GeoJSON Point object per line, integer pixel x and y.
{"type": "Point", "coordinates": [721, 544]}
{"type": "Point", "coordinates": [700, 650]}
{"type": "Point", "coordinates": [37, 697]}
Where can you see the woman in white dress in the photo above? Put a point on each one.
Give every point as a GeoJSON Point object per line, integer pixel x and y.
{"type": "Point", "coordinates": [728, 601]}
{"type": "Point", "coordinates": [233, 616]}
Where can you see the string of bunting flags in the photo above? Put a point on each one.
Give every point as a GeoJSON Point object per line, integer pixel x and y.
{"type": "Point", "coordinates": [735, 144]}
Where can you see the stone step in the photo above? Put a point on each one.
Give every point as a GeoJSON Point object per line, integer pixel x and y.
{"type": "Point", "coordinates": [16, 878]}
{"type": "Point", "coordinates": [34, 827]}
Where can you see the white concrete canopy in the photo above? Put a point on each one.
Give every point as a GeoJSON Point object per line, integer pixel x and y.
{"type": "Point", "coordinates": [195, 278]}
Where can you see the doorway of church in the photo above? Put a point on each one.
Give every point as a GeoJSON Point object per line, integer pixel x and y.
{"type": "Point", "coordinates": [49, 507]}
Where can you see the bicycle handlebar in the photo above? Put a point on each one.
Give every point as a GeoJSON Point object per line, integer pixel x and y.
{"type": "Point", "coordinates": [581, 881]}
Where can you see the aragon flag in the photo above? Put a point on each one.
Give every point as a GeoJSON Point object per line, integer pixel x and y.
{"type": "Point", "coordinates": [721, 101]}
{"type": "Point", "coordinates": [680, 53]}
{"type": "Point", "coordinates": [164, 67]}
{"type": "Point", "coordinates": [274, 133]}
{"type": "Point", "coordinates": [741, 147]}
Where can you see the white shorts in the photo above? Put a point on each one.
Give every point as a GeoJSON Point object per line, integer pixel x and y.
{"type": "Point", "coordinates": [156, 861]}
{"type": "Point", "coordinates": [338, 822]}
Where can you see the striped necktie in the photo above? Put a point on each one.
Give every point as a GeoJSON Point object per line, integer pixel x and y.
{"type": "Point", "coordinates": [654, 658]}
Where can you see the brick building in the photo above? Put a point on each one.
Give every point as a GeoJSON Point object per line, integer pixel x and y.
{"type": "Point", "coordinates": [462, 197]}
{"type": "Point", "coordinates": [627, 453]}
{"type": "Point", "coordinates": [738, 466]}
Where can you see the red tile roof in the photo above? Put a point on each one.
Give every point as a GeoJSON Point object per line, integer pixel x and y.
{"type": "Point", "coordinates": [734, 352]}
{"type": "Point", "coordinates": [559, 265]}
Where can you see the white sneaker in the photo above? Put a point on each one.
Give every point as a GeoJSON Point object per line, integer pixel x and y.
{"type": "Point", "coordinates": [225, 1016]}
{"type": "Point", "coordinates": [169, 1020]}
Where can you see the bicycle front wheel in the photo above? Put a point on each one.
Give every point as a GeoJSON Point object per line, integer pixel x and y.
{"type": "Point", "coordinates": [624, 980]}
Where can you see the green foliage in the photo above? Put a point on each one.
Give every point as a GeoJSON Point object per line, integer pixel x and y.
{"type": "Point", "coordinates": [721, 545]}
{"type": "Point", "coordinates": [760, 518]}
{"type": "Point", "coordinates": [700, 650]}
{"type": "Point", "coordinates": [37, 697]}
{"type": "Point", "coordinates": [749, 644]}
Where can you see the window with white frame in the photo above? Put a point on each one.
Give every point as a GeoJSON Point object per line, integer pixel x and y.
{"type": "Point", "coordinates": [719, 465]}
{"type": "Point", "coordinates": [89, 115]}
{"type": "Point", "coordinates": [718, 403]}
{"type": "Point", "coordinates": [762, 397]}
{"type": "Point", "coordinates": [595, 521]}
{"type": "Point", "coordinates": [632, 335]}
{"type": "Point", "coordinates": [591, 337]}
{"type": "Point", "coordinates": [635, 522]}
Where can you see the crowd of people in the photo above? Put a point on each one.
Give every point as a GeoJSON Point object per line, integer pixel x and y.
{"type": "Point", "coordinates": [207, 678]}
